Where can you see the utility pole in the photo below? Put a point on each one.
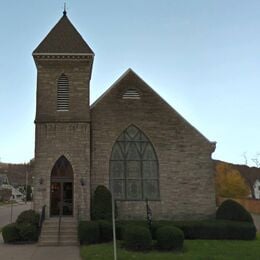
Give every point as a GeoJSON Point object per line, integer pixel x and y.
{"type": "Point", "coordinates": [26, 183]}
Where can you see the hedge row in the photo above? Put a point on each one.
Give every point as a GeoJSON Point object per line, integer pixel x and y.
{"type": "Point", "coordinates": [135, 237]}
{"type": "Point", "coordinates": [212, 229]}
{"type": "Point", "coordinates": [207, 229]}
{"type": "Point", "coordinates": [101, 231]}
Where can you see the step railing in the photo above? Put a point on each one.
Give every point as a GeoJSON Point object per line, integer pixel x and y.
{"type": "Point", "coordinates": [42, 218]}
{"type": "Point", "coordinates": [60, 215]}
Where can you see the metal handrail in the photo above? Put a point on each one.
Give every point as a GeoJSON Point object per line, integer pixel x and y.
{"type": "Point", "coordinates": [42, 218]}
{"type": "Point", "coordinates": [60, 215]}
{"type": "Point", "coordinates": [78, 215]}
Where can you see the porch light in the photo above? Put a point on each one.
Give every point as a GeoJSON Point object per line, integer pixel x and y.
{"type": "Point", "coordinates": [82, 182]}
{"type": "Point", "coordinates": [41, 181]}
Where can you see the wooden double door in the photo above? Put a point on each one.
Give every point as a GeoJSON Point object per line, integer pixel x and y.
{"type": "Point", "coordinates": [61, 198]}
{"type": "Point", "coordinates": [61, 188]}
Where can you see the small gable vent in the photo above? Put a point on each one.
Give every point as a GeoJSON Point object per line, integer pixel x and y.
{"type": "Point", "coordinates": [63, 93]}
{"type": "Point", "coordinates": [131, 93]}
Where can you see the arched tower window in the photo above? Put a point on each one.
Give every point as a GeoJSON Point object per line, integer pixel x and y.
{"type": "Point", "coordinates": [63, 93]}
{"type": "Point", "coordinates": [134, 167]}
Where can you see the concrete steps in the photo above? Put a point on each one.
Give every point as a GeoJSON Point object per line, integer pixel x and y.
{"type": "Point", "coordinates": [68, 232]}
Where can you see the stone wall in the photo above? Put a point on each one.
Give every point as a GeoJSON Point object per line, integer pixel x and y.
{"type": "Point", "coordinates": [252, 205]}
{"type": "Point", "coordinates": [63, 132]}
{"type": "Point", "coordinates": [52, 141]}
{"type": "Point", "coordinates": [184, 155]}
{"type": "Point", "coordinates": [78, 73]}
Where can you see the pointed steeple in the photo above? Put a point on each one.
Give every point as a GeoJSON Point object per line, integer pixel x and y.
{"type": "Point", "coordinates": [63, 39]}
{"type": "Point", "coordinates": [64, 11]}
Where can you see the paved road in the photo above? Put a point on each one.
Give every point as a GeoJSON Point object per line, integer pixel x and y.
{"type": "Point", "coordinates": [5, 212]}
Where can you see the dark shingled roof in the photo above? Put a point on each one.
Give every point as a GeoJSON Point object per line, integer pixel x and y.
{"type": "Point", "coordinates": [63, 38]}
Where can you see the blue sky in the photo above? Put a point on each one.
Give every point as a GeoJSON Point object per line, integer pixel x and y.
{"type": "Point", "coordinates": [201, 56]}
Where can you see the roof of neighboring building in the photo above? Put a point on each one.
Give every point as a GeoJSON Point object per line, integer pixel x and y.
{"type": "Point", "coordinates": [63, 39]}
{"type": "Point", "coordinates": [251, 174]}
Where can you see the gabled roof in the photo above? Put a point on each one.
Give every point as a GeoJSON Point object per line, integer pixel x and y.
{"type": "Point", "coordinates": [127, 72]}
{"type": "Point", "coordinates": [131, 74]}
{"type": "Point", "coordinates": [63, 39]}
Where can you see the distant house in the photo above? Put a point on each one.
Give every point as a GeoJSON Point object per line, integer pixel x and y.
{"type": "Point", "coordinates": [3, 179]}
{"type": "Point", "coordinates": [5, 194]}
{"type": "Point", "coordinates": [14, 193]}
{"type": "Point", "coordinates": [257, 188]}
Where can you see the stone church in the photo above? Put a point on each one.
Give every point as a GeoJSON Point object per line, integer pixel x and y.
{"type": "Point", "coordinates": [129, 140]}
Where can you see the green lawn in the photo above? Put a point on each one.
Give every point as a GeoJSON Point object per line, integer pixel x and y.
{"type": "Point", "coordinates": [193, 249]}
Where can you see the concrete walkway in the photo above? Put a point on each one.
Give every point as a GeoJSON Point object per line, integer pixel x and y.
{"type": "Point", "coordinates": [34, 252]}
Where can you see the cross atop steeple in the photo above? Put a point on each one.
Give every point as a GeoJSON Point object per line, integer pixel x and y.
{"type": "Point", "coordinates": [65, 9]}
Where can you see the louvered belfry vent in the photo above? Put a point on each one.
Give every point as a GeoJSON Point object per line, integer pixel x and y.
{"type": "Point", "coordinates": [63, 93]}
{"type": "Point", "coordinates": [131, 93]}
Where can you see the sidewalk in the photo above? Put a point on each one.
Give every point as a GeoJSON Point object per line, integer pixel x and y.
{"type": "Point", "coordinates": [34, 252]}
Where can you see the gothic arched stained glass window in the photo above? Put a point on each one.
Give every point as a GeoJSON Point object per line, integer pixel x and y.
{"type": "Point", "coordinates": [134, 167]}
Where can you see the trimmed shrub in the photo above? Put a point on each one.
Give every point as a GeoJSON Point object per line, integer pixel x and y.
{"type": "Point", "coordinates": [137, 238]}
{"type": "Point", "coordinates": [106, 231]}
{"type": "Point", "coordinates": [169, 238]}
{"type": "Point", "coordinates": [88, 232]}
{"type": "Point", "coordinates": [28, 232]}
{"type": "Point", "coordinates": [158, 224]}
{"type": "Point", "coordinates": [101, 204]}
{"type": "Point", "coordinates": [10, 233]}
{"type": "Point", "coordinates": [28, 217]}
{"type": "Point", "coordinates": [122, 224]}
{"type": "Point", "coordinates": [232, 210]}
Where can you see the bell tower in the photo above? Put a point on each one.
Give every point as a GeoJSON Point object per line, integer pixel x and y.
{"type": "Point", "coordinates": [62, 124]}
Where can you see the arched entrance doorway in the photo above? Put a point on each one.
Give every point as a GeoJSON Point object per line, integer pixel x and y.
{"type": "Point", "coordinates": [61, 197]}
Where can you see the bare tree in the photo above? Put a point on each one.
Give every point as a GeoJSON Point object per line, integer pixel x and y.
{"type": "Point", "coordinates": [245, 158]}
{"type": "Point", "coordinates": [256, 160]}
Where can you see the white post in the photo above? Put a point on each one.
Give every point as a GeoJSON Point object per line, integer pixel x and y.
{"type": "Point", "coordinates": [114, 225]}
